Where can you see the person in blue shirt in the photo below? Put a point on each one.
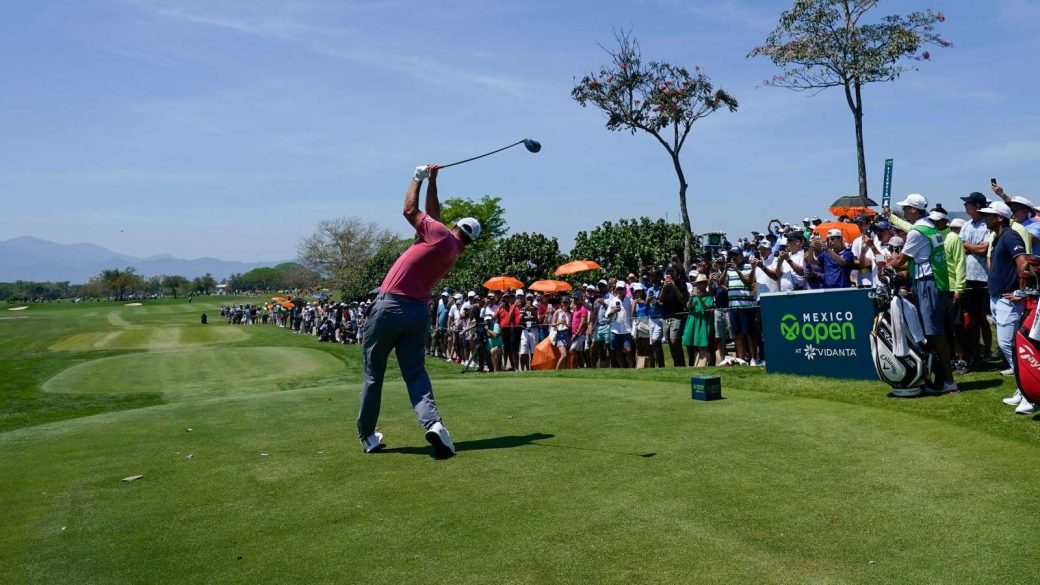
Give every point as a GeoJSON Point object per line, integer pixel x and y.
{"type": "Point", "coordinates": [834, 258]}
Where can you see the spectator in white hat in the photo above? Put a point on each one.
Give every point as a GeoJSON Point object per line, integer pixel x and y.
{"type": "Point", "coordinates": [1022, 210]}
{"type": "Point", "coordinates": [834, 258]}
{"type": "Point", "coordinates": [956, 264]}
{"type": "Point", "coordinates": [925, 254]}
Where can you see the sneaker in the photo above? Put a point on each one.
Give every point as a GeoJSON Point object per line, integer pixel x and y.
{"type": "Point", "coordinates": [950, 388]}
{"type": "Point", "coordinates": [1014, 399]}
{"type": "Point", "coordinates": [1025, 407]}
{"type": "Point", "coordinates": [438, 436]}
{"type": "Point", "coordinates": [754, 362]}
{"type": "Point", "coordinates": [1007, 372]}
{"type": "Point", "coordinates": [372, 443]}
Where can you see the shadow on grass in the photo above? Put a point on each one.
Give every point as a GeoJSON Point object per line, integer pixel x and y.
{"type": "Point", "coordinates": [504, 442]}
{"type": "Point", "coordinates": [980, 384]}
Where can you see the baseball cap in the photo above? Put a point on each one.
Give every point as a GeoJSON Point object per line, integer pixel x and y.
{"type": "Point", "coordinates": [895, 241]}
{"type": "Point", "coordinates": [862, 218]}
{"type": "Point", "coordinates": [834, 233]}
{"type": "Point", "coordinates": [620, 284]}
{"type": "Point", "coordinates": [975, 198]}
{"type": "Point", "coordinates": [466, 306]}
{"type": "Point", "coordinates": [458, 296]}
{"type": "Point", "coordinates": [604, 282]}
{"type": "Point", "coordinates": [764, 244]}
{"type": "Point", "coordinates": [956, 223]}
{"type": "Point", "coordinates": [882, 225]}
{"type": "Point", "coordinates": [470, 227]}
{"type": "Point", "coordinates": [471, 294]}
{"type": "Point", "coordinates": [637, 286]}
{"type": "Point", "coordinates": [519, 292]}
{"type": "Point", "coordinates": [997, 208]}
{"type": "Point", "coordinates": [591, 288]}
{"type": "Point", "coordinates": [444, 293]}
{"type": "Point", "coordinates": [1020, 200]}
{"type": "Point", "coordinates": [915, 200]}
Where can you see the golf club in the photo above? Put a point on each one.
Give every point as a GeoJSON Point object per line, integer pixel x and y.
{"type": "Point", "coordinates": [530, 145]}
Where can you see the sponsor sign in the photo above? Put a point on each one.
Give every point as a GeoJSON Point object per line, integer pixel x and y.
{"type": "Point", "coordinates": [886, 194]}
{"type": "Point", "coordinates": [819, 333]}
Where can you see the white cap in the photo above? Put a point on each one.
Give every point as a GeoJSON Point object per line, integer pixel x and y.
{"type": "Point", "coordinates": [915, 200]}
{"type": "Point", "coordinates": [444, 293]}
{"type": "Point", "coordinates": [471, 294]}
{"type": "Point", "coordinates": [519, 292]}
{"type": "Point", "coordinates": [834, 233]}
{"type": "Point", "coordinates": [1022, 201]}
{"type": "Point", "coordinates": [591, 288]}
{"type": "Point", "coordinates": [469, 226]}
{"type": "Point", "coordinates": [956, 223]}
{"type": "Point", "coordinates": [997, 208]}
{"type": "Point", "coordinates": [937, 215]}
{"type": "Point", "coordinates": [637, 286]}
{"type": "Point", "coordinates": [458, 296]}
{"type": "Point", "coordinates": [466, 306]}
{"type": "Point", "coordinates": [895, 241]}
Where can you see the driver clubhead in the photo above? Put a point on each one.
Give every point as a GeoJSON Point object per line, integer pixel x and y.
{"type": "Point", "coordinates": [532, 145]}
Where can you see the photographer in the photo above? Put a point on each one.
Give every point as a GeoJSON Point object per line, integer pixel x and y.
{"type": "Point", "coordinates": [834, 258]}
{"type": "Point", "coordinates": [481, 333]}
{"type": "Point", "coordinates": [673, 304]}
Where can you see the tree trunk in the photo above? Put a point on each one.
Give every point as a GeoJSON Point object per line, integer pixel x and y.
{"type": "Point", "coordinates": [687, 232]}
{"type": "Point", "coordinates": [857, 113]}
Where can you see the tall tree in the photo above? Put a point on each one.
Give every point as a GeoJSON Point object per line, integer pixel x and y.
{"type": "Point", "coordinates": [175, 283]}
{"type": "Point", "coordinates": [820, 44]}
{"type": "Point", "coordinates": [339, 248]}
{"type": "Point", "coordinates": [661, 99]}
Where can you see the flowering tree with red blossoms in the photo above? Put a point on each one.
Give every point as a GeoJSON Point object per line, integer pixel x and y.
{"type": "Point", "coordinates": [661, 99]}
{"type": "Point", "coordinates": [826, 43]}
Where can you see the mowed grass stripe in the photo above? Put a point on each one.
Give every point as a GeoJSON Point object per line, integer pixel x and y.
{"type": "Point", "coordinates": [188, 373]}
{"type": "Point", "coordinates": [551, 486]}
{"type": "Point", "coordinates": [147, 337]}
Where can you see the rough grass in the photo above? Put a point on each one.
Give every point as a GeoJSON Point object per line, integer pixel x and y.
{"type": "Point", "coordinates": [581, 477]}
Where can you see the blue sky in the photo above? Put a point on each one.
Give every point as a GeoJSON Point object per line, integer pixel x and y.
{"type": "Point", "coordinates": [230, 128]}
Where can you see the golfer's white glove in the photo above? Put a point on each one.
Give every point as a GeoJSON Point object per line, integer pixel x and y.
{"type": "Point", "coordinates": [422, 172]}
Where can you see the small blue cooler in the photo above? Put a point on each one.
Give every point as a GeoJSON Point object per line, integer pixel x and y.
{"type": "Point", "coordinates": [706, 387]}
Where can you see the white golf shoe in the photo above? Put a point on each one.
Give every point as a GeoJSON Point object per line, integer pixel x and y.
{"type": "Point", "coordinates": [1025, 407]}
{"type": "Point", "coordinates": [438, 436]}
{"type": "Point", "coordinates": [1014, 399]}
{"type": "Point", "coordinates": [372, 443]}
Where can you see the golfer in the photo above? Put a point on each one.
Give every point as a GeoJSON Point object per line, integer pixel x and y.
{"type": "Point", "coordinates": [400, 315]}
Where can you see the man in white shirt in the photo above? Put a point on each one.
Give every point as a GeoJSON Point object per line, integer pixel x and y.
{"type": "Point", "coordinates": [619, 311]}
{"type": "Point", "coordinates": [764, 268]}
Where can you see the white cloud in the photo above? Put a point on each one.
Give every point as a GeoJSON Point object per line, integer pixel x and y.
{"type": "Point", "coordinates": [308, 25]}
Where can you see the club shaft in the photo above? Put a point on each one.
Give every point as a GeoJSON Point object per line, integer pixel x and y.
{"type": "Point", "coordinates": [483, 155]}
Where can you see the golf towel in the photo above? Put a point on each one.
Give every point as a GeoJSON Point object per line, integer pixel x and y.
{"type": "Point", "coordinates": [906, 325]}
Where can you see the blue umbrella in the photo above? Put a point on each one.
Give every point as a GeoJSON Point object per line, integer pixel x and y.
{"type": "Point", "coordinates": [322, 297]}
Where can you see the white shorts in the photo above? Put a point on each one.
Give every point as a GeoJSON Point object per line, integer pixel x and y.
{"type": "Point", "coordinates": [526, 342]}
{"type": "Point", "coordinates": [656, 330]}
{"type": "Point", "coordinates": [580, 343]}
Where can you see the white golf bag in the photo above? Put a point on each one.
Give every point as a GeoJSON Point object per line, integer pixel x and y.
{"type": "Point", "coordinates": [898, 345]}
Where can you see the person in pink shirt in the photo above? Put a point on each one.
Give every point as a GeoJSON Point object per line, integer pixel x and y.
{"type": "Point", "coordinates": [399, 317]}
{"type": "Point", "coordinates": [579, 332]}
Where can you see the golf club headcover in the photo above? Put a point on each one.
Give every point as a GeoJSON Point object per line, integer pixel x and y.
{"type": "Point", "coordinates": [422, 172]}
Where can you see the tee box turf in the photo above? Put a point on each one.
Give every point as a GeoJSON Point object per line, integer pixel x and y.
{"type": "Point", "coordinates": [706, 387]}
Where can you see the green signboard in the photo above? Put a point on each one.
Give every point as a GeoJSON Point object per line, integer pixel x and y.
{"type": "Point", "coordinates": [819, 333]}
{"type": "Point", "coordinates": [886, 194]}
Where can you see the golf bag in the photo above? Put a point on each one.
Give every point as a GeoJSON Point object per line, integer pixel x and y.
{"type": "Point", "coordinates": [901, 354]}
{"type": "Point", "coordinates": [1027, 349]}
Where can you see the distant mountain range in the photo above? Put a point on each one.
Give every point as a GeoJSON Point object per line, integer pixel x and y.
{"type": "Point", "coordinates": [28, 258]}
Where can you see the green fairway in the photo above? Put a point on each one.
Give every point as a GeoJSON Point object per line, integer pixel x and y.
{"type": "Point", "coordinates": [252, 473]}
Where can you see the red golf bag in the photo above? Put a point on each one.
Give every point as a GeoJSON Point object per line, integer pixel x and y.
{"type": "Point", "coordinates": [1027, 350]}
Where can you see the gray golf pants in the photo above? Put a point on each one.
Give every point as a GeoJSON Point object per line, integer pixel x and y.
{"type": "Point", "coordinates": [396, 323]}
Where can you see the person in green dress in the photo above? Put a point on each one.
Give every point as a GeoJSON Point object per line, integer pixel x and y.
{"type": "Point", "coordinates": [698, 333]}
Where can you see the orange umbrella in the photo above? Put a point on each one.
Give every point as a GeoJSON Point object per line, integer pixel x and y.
{"type": "Point", "coordinates": [545, 356]}
{"type": "Point", "coordinates": [549, 286]}
{"type": "Point", "coordinates": [288, 305]}
{"type": "Point", "coordinates": [577, 266]}
{"type": "Point", "coordinates": [279, 299]}
{"type": "Point", "coordinates": [849, 231]}
{"type": "Point", "coordinates": [501, 283]}
{"type": "Point", "coordinates": [851, 212]}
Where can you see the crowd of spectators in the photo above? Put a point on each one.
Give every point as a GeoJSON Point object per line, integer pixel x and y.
{"type": "Point", "coordinates": [962, 274]}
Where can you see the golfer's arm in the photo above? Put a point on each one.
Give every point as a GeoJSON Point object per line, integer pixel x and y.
{"type": "Point", "coordinates": [411, 202]}
{"type": "Point", "coordinates": [433, 205]}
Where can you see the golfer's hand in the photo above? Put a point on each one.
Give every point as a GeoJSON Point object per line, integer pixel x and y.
{"type": "Point", "coordinates": [421, 173]}
{"type": "Point", "coordinates": [433, 171]}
